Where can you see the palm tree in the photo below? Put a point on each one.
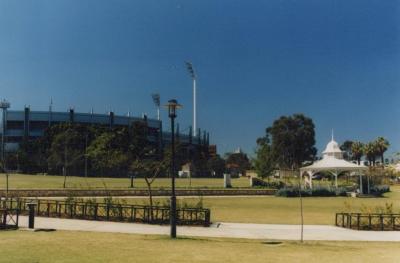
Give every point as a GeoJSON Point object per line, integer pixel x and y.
{"type": "Point", "coordinates": [357, 150]}
{"type": "Point", "coordinates": [381, 145]}
{"type": "Point", "coordinates": [370, 151]}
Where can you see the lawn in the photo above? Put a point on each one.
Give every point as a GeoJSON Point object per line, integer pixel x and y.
{"type": "Point", "coordinates": [85, 247]}
{"type": "Point", "coordinates": [22, 181]}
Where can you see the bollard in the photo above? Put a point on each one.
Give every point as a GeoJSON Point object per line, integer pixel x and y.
{"type": "Point", "coordinates": [31, 207]}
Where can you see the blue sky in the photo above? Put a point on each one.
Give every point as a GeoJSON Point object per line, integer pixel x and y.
{"type": "Point", "coordinates": [335, 61]}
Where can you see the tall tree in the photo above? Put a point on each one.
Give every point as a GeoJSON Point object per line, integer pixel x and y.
{"type": "Point", "coordinates": [238, 162]}
{"type": "Point", "coordinates": [216, 165]}
{"type": "Point", "coordinates": [381, 145]}
{"type": "Point", "coordinates": [346, 148]}
{"type": "Point", "coordinates": [292, 140]}
{"type": "Point", "coordinates": [264, 162]}
{"type": "Point", "coordinates": [357, 150]}
{"type": "Point", "coordinates": [370, 151]}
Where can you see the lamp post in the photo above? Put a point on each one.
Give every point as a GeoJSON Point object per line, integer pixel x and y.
{"type": "Point", "coordinates": [172, 107]}
{"type": "Point", "coordinates": [4, 105]}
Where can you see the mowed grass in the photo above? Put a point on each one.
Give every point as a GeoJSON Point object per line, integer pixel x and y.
{"type": "Point", "coordinates": [22, 181]}
{"type": "Point", "coordinates": [281, 210]}
{"type": "Point", "coordinates": [85, 247]}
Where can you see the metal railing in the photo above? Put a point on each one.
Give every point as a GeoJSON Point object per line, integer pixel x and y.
{"type": "Point", "coordinates": [112, 212]}
{"type": "Point", "coordinates": [376, 222]}
{"type": "Point", "coordinates": [9, 218]}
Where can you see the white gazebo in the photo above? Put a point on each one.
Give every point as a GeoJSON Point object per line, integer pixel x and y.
{"type": "Point", "coordinates": [332, 162]}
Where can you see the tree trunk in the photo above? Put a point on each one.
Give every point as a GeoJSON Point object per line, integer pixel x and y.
{"type": "Point", "coordinates": [382, 160]}
{"type": "Point", "coordinates": [150, 199]}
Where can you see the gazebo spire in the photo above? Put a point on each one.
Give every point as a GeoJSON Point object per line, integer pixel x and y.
{"type": "Point", "coordinates": [332, 136]}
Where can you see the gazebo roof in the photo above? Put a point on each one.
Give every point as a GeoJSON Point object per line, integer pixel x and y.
{"type": "Point", "coordinates": [330, 163]}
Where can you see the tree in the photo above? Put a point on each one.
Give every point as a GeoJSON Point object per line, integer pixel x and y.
{"type": "Point", "coordinates": [150, 169]}
{"type": "Point", "coordinates": [292, 140]}
{"type": "Point", "coordinates": [346, 148]}
{"type": "Point", "coordinates": [108, 153]}
{"type": "Point", "coordinates": [381, 145]}
{"type": "Point", "coordinates": [357, 150]}
{"type": "Point", "coordinates": [264, 162]}
{"type": "Point", "coordinates": [67, 150]}
{"type": "Point", "coordinates": [237, 162]}
{"type": "Point", "coordinates": [216, 165]}
{"type": "Point", "coordinates": [370, 152]}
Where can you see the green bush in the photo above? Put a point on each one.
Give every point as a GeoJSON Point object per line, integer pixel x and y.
{"type": "Point", "coordinates": [317, 191]}
{"type": "Point", "coordinates": [379, 190]}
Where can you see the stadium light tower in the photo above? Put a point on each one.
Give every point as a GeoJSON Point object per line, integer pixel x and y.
{"type": "Point", "coordinates": [4, 105]}
{"type": "Point", "coordinates": [192, 74]}
{"type": "Point", "coordinates": [156, 100]}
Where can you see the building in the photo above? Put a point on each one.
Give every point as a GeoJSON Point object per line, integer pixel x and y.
{"type": "Point", "coordinates": [20, 125]}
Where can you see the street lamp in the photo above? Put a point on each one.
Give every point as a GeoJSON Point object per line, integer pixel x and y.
{"type": "Point", "coordinates": [172, 106]}
{"type": "Point", "coordinates": [4, 105]}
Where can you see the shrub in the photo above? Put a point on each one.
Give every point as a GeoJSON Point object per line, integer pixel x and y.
{"type": "Point", "coordinates": [379, 190]}
{"type": "Point", "coordinates": [259, 183]}
{"type": "Point", "coordinates": [317, 191]}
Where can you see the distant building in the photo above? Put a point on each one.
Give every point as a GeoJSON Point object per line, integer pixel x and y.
{"type": "Point", "coordinates": [27, 124]}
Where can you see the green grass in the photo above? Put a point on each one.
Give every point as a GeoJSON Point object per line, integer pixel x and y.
{"type": "Point", "coordinates": [22, 181]}
{"type": "Point", "coordinates": [85, 247]}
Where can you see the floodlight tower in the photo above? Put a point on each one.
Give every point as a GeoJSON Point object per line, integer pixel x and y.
{"type": "Point", "coordinates": [156, 100]}
{"type": "Point", "coordinates": [192, 74]}
{"type": "Point", "coordinates": [4, 105]}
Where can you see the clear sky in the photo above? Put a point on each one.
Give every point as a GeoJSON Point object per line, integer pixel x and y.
{"type": "Point", "coordinates": [337, 61]}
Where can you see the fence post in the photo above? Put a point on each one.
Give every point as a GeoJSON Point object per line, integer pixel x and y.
{"type": "Point", "coordinates": [336, 221]}
{"type": "Point", "coordinates": [17, 212]}
{"type": "Point", "coordinates": [369, 222]}
{"type": "Point", "coordinates": [31, 207]}
{"type": "Point", "coordinates": [381, 221]}
{"type": "Point", "coordinates": [351, 218]}
{"type": "Point", "coordinates": [108, 211]}
{"type": "Point", "coordinates": [48, 209]}
{"type": "Point", "coordinates": [358, 221]}
{"type": "Point", "coordinates": [95, 211]}
{"type": "Point", "coordinates": [207, 218]}
{"type": "Point", "coordinates": [393, 222]}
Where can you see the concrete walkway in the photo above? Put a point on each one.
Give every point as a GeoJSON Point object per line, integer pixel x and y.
{"type": "Point", "coordinates": [228, 230]}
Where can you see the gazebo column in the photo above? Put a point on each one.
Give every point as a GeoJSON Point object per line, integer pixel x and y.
{"type": "Point", "coordinates": [336, 183]}
{"type": "Point", "coordinates": [310, 174]}
{"type": "Point", "coordinates": [361, 188]}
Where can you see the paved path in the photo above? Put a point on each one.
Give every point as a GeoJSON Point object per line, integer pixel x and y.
{"type": "Point", "coordinates": [228, 230]}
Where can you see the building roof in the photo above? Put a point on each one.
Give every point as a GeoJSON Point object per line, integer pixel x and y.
{"type": "Point", "coordinates": [332, 147]}
{"type": "Point", "coordinates": [329, 163]}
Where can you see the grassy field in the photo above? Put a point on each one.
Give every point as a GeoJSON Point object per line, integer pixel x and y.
{"type": "Point", "coordinates": [281, 210]}
{"type": "Point", "coordinates": [85, 247]}
{"type": "Point", "coordinates": [22, 181]}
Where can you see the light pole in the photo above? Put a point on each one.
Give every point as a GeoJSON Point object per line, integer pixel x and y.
{"type": "Point", "coordinates": [4, 105]}
{"type": "Point", "coordinates": [172, 107]}
{"type": "Point", "coordinates": [192, 74]}
{"type": "Point", "coordinates": [156, 100]}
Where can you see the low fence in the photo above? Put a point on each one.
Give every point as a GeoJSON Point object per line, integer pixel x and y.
{"type": "Point", "coordinates": [113, 212]}
{"type": "Point", "coordinates": [18, 193]}
{"type": "Point", "coordinates": [377, 222]}
{"type": "Point", "coordinates": [9, 218]}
